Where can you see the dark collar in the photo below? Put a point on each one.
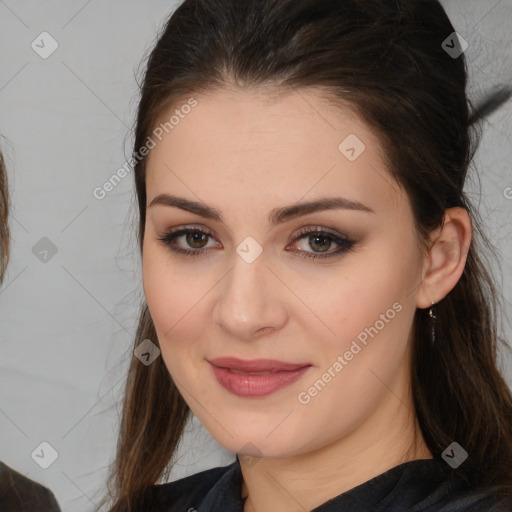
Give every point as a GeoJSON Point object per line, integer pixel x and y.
{"type": "Point", "coordinates": [425, 485]}
{"type": "Point", "coordinates": [399, 488]}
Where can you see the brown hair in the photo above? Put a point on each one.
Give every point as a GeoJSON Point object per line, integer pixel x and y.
{"type": "Point", "coordinates": [4, 211]}
{"type": "Point", "coordinates": [385, 59]}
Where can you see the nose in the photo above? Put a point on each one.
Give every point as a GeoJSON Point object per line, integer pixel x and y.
{"type": "Point", "coordinates": [251, 300]}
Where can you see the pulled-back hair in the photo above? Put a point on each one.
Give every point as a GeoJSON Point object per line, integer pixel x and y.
{"type": "Point", "coordinates": [385, 60]}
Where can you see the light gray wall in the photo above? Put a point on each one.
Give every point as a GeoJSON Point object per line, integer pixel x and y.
{"type": "Point", "coordinates": [67, 323]}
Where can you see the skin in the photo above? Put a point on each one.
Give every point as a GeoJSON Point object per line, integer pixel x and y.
{"type": "Point", "coordinates": [245, 153]}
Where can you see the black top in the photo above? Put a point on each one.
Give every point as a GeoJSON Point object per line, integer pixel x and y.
{"type": "Point", "coordinates": [19, 494]}
{"type": "Point", "coordinates": [415, 486]}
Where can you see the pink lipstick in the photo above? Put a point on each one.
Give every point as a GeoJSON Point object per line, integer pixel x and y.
{"type": "Point", "coordinates": [256, 377]}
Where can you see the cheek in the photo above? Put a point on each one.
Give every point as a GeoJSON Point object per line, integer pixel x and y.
{"type": "Point", "coordinates": [368, 290]}
{"type": "Point", "coordinates": [369, 309]}
{"type": "Point", "coordinates": [176, 301]}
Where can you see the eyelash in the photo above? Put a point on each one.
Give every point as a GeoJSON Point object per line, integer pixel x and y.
{"type": "Point", "coordinates": [345, 243]}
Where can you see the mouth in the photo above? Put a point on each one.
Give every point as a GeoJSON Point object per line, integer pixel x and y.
{"type": "Point", "coordinates": [255, 366]}
{"type": "Point", "coordinates": [256, 377]}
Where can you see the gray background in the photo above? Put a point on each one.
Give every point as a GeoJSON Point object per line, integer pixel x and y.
{"type": "Point", "coordinates": [67, 323]}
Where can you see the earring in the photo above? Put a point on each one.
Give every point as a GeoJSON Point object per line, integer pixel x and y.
{"type": "Point", "coordinates": [432, 314]}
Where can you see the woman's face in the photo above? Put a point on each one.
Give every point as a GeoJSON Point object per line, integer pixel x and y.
{"type": "Point", "coordinates": [326, 292]}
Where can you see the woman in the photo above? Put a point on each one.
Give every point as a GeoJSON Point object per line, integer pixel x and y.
{"type": "Point", "coordinates": [17, 492]}
{"type": "Point", "coordinates": [310, 268]}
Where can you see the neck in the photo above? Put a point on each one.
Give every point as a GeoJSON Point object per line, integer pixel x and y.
{"type": "Point", "coordinates": [391, 436]}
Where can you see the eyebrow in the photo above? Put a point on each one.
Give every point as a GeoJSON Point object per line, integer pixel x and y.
{"type": "Point", "coordinates": [276, 216]}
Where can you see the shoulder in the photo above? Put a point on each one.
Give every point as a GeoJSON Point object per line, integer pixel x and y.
{"type": "Point", "coordinates": [189, 492]}
{"type": "Point", "coordinates": [20, 494]}
{"type": "Point", "coordinates": [477, 501]}
{"type": "Point", "coordinates": [453, 494]}
{"type": "Point", "coordinates": [472, 502]}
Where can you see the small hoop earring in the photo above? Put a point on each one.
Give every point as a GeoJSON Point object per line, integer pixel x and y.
{"type": "Point", "coordinates": [432, 313]}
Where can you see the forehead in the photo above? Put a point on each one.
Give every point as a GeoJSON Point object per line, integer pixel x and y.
{"type": "Point", "coordinates": [238, 145]}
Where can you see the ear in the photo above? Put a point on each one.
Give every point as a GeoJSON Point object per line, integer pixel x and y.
{"type": "Point", "coordinates": [446, 258]}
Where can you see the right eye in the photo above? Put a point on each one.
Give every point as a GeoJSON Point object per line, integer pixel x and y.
{"type": "Point", "coordinates": [195, 239]}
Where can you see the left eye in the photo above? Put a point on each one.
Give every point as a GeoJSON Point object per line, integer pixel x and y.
{"type": "Point", "coordinates": [319, 240]}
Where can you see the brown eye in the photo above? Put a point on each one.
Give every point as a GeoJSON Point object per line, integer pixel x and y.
{"type": "Point", "coordinates": [194, 240]}
{"type": "Point", "coordinates": [320, 241]}
{"type": "Point", "coordinates": [197, 239]}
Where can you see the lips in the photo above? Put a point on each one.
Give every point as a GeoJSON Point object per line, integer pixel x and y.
{"type": "Point", "coordinates": [256, 365]}
{"type": "Point", "coordinates": [256, 377]}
